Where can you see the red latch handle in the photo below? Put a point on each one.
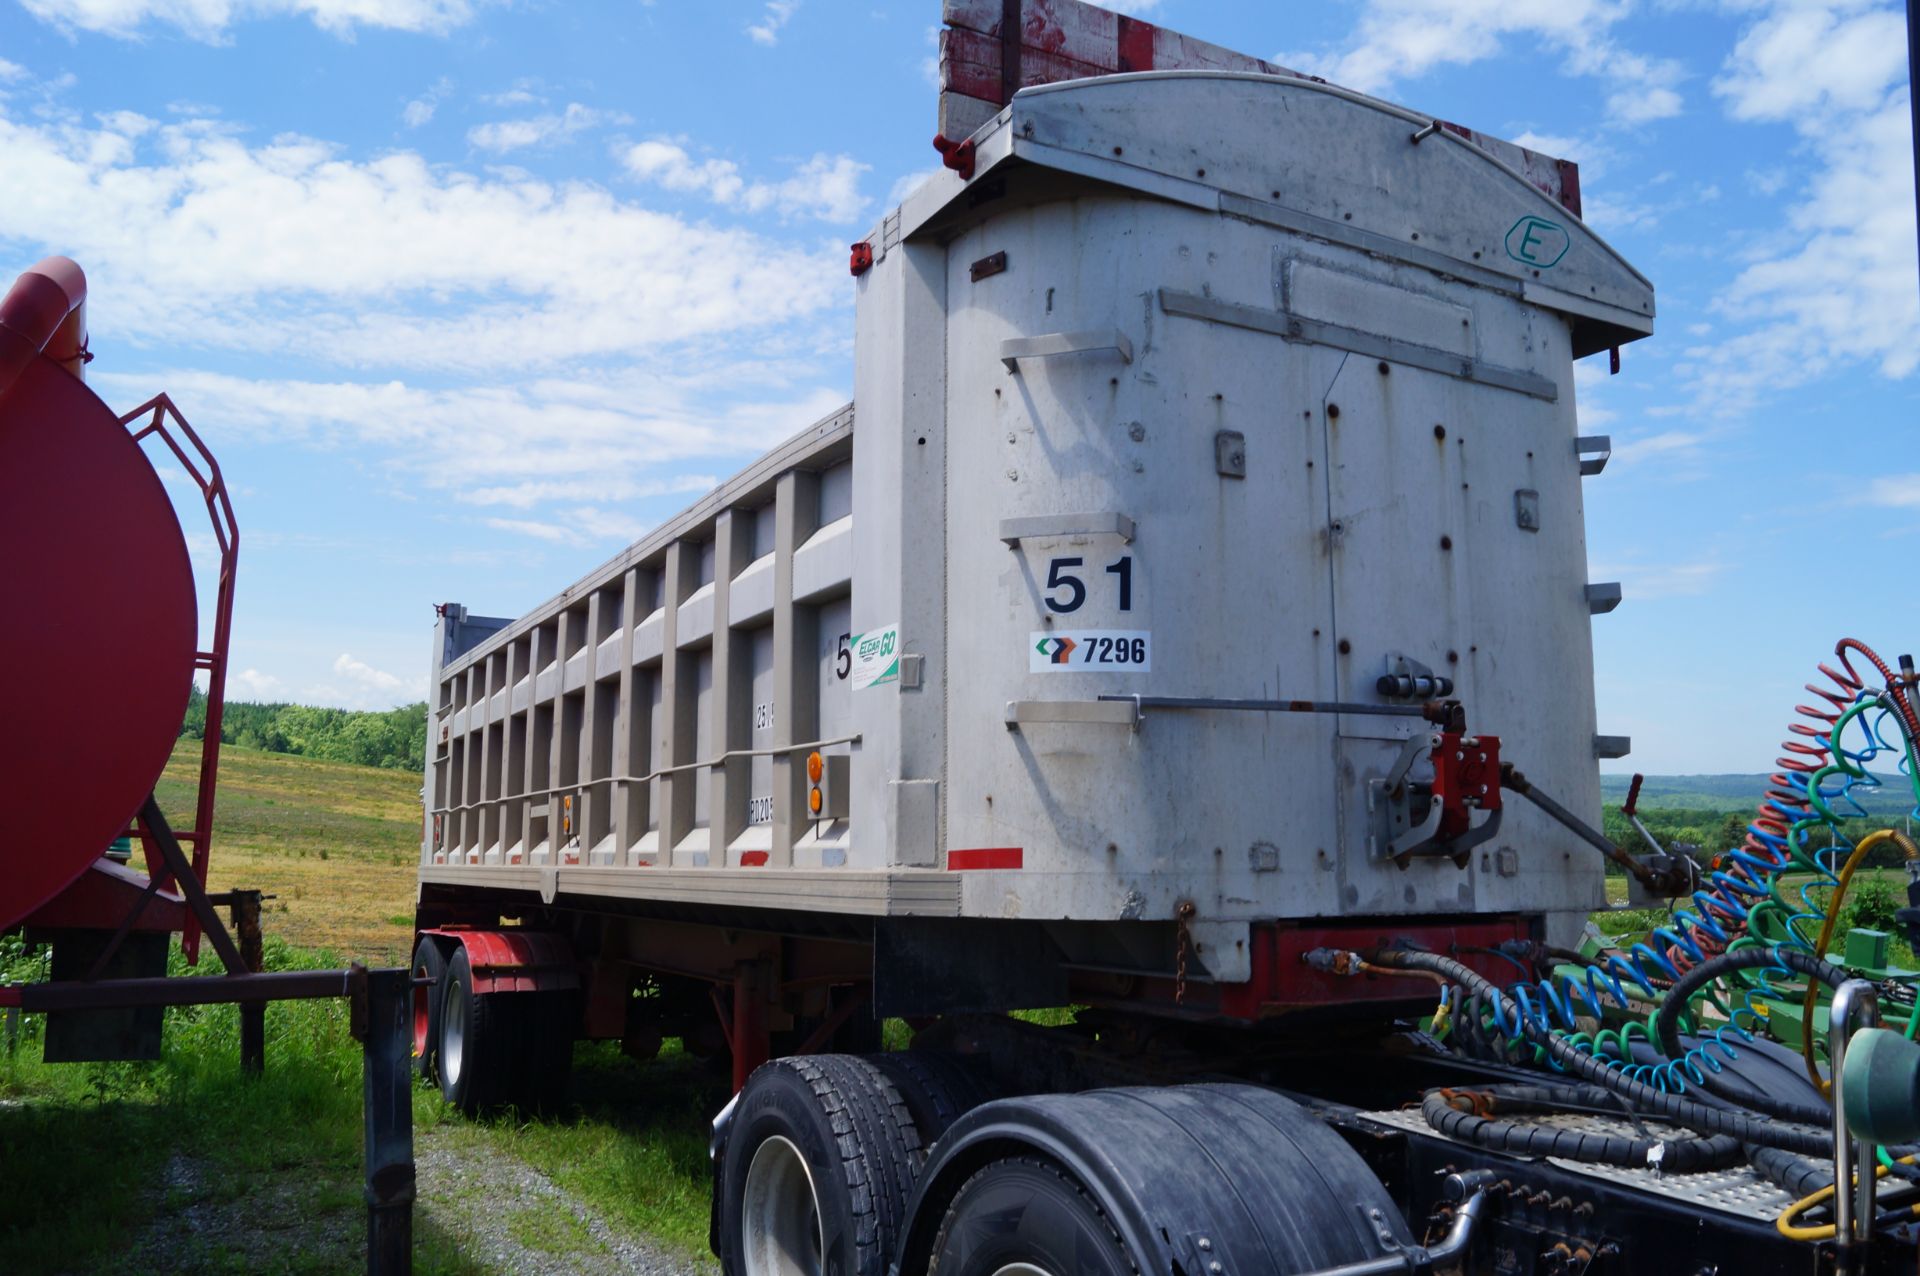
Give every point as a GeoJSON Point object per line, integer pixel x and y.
{"type": "Point", "coordinates": [1633, 795]}
{"type": "Point", "coordinates": [957, 156]}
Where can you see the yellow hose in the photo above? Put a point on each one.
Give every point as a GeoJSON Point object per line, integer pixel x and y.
{"type": "Point", "coordinates": [1812, 1001]}
{"type": "Point", "coordinates": [1796, 1232]}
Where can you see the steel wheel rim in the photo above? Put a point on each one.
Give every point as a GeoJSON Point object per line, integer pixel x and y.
{"type": "Point", "coordinates": [453, 1032]}
{"type": "Point", "coordinates": [780, 1213]}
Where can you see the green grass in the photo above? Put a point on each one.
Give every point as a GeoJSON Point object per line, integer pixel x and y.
{"type": "Point", "coordinates": [84, 1147]}
{"type": "Point", "coordinates": [551, 1230]}
{"type": "Point", "coordinates": [634, 1146]}
{"type": "Point", "coordinates": [337, 844]}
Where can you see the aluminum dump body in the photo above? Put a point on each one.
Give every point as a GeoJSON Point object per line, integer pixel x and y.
{"type": "Point", "coordinates": [1201, 386]}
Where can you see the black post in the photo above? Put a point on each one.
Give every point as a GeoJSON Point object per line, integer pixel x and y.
{"type": "Point", "coordinates": [253, 1017]}
{"type": "Point", "coordinates": [388, 1045]}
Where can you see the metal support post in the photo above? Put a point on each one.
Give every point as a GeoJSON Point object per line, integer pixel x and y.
{"type": "Point", "coordinates": [750, 1038]}
{"type": "Point", "coordinates": [245, 911]}
{"type": "Point", "coordinates": [1855, 1005]}
{"type": "Point", "coordinates": [387, 1042]}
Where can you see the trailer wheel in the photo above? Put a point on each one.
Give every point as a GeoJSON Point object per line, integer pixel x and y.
{"type": "Point", "coordinates": [938, 1088]}
{"type": "Point", "coordinates": [1025, 1215]}
{"type": "Point", "coordinates": [819, 1162]}
{"type": "Point", "coordinates": [429, 963]}
{"type": "Point", "coordinates": [476, 1055]}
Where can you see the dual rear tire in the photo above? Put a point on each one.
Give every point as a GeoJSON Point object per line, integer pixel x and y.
{"type": "Point", "coordinates": [490, 1050]}
{"type": "Point", "coordinates": [822, 1154]}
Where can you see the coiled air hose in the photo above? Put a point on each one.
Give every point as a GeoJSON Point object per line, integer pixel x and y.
{"type": "Point", "coordinates": [1746, 1128]}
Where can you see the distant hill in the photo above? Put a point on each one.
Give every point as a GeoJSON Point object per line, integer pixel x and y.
{"type": "Point", "coordinates": [1741, 792]}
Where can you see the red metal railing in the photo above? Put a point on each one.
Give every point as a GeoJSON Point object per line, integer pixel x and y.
{"type": "Point", "coordinates": [163, 420]}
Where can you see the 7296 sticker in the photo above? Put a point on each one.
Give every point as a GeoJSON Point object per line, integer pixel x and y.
{"type": "Point", "coordinates": [1090, 651]}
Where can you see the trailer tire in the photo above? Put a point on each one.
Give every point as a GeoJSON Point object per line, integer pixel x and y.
{"type": "Point", "coordinates": [477, 1055]}
{"type": "Point", "coordinates": [820, 1159]}
{"type": "Point", "coordinates": [1027, 1213]}
{"type": "Point", "coordinates": [938, 1088]}
{"type": "Point", "coordinates": [430, 964]}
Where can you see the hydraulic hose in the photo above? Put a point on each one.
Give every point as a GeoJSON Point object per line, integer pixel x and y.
{"type": "Point", "coordinates": [1666, 1021]}
{"type": "Point", "coordinates": [1473, 1116]}
{"type": "Point", "coordinates": [1694, 1116]}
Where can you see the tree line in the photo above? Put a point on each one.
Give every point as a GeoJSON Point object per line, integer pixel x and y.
{"type": "Point", "coordinates": [393, 738]}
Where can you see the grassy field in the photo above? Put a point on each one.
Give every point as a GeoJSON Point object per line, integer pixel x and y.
{"type": "Point", "coordinates": [336, 843]}
{"type": "Point", "coordinates": [156, 1150]}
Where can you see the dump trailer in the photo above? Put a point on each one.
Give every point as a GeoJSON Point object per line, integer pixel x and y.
{"type": "Point", "coordinates": [1188, 623]}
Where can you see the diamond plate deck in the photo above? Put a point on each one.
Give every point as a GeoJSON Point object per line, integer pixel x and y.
{"type": "Point", "coordinates": [1738, 1191]}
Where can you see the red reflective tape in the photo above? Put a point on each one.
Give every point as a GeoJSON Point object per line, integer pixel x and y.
{"type": "Point", "coordinates": [986, 857]}
{"type": "Point", "coordinates": [752, 859]}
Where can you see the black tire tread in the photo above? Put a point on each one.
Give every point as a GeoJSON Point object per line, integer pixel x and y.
{"type": "Point", "coordinates": [878, 1145]}
{"type": "Point", "coordinates": [488, 1061]}
{"type": "Point", "coordinates": [938, 1088]}
{"type": "Point", "coordinates": [1040, 1165]}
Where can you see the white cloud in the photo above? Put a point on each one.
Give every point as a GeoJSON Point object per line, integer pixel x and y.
{"type": "Point", "coordinates": [826, 187]}
{"type": "Point", "coordinates": [209, 19]}
{"type": "Point", "coordinates": [1399, 40]}
{"type": "Point", "coordinates": [777, 15]}
{"type": "Point", "coordinates": [601, 487]}
{"type": "Point", "coordinates": [251, 684]}
{"type": "Point", "coordinates": [1902, 491]}
{"type": "Point", "coordinates": [420, 110]}
{"type": "Point", "coordinates": [1806, 57]}
{"type": "Point", "coordinates": [511, 135]}
{"type": "Point", "coordinates": [908, 183]}
{"type": "Point", "coordinates": [295, 250]}
{"type": "Point", "coordinates": [371, 687]}
{"type": "Point", "coordinates": [523, 93]}
{"type": "Point", "coordinates": [1834, 287]}
{"type": "Point", "coordinates": [584, 525]}
{"type": "Point", "coordinates": [1660, 580]}
{"type": "Point", "coordinates": [591, 437]}
{"type": "Point", "coordinates": [10, 71]}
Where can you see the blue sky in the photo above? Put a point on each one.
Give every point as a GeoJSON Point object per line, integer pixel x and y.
{"type": "Point", "coordinates": [467, 295]}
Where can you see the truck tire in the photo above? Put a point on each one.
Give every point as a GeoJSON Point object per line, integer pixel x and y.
{"type": "Point", "coordinates": [819, 1162]}
{"type": "Point", "coordinates": [1028, 1214]}
{"type": "Point", "coordinates": [477, 1058]}
{"type": "Point", "coordinates": [429, 963]}
{"type": "Point", "coordinates": [938, 1088]}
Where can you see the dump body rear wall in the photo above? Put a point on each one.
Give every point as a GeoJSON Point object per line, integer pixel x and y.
{"type": "Point", "coordinates": [1201, 386]}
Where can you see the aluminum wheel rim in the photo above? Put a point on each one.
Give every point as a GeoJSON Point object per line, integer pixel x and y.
{"type": "Point", "coordinates": [453, 1032]}
{"type": "Point", "coordinates": [780, 1213]}
{"type": "Point", "coordinates": [1022, 1269]}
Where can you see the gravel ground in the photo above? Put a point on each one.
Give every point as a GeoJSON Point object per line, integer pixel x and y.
{"type": "Point", "coordinates": [502, 1216]}
{"type": "Point", "coordinates": [510, 1218]}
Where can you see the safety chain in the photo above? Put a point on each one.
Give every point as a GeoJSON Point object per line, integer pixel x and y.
{"type": "Point", "coordinates": [1182, 914]}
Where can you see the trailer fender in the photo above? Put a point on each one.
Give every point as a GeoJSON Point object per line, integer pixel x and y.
{"type": "Point", "coordinates": [514, 960]}
{"type": "Point", "coordinates": [1190, 1176]}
